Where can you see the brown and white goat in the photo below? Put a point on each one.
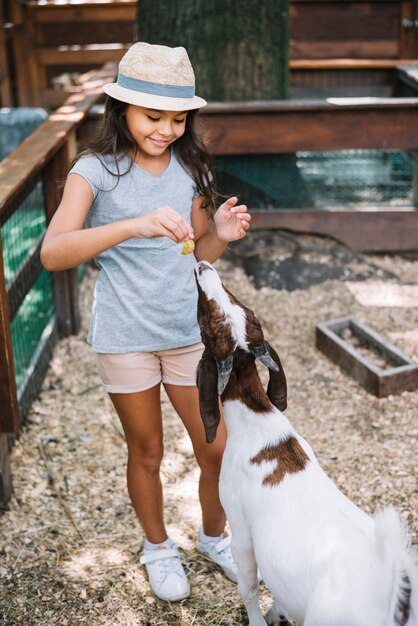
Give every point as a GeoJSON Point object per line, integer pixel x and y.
{"type": "Point", "coordinates": [326, 562]}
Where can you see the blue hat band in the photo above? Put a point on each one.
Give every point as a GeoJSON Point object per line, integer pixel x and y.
{"type": "Point", "coordinates": [156, 89]}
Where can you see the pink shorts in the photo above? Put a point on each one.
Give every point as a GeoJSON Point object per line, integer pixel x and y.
{"type": "Point", "coordinates": [138, 371]}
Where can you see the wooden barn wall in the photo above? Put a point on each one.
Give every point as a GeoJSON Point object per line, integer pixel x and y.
{"type": "Point", "coordinates": [332, 29]}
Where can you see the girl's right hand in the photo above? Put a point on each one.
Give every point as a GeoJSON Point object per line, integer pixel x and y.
{"type": "Point", "coordinates": [162, 222]}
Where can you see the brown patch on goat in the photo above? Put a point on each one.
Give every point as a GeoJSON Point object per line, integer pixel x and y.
{"type": "Point", "coordinates": [216, 332]}
{"type": "Point", "coordinates": [245, 385]}
{"type": "Point", "coordinates": [290, 456]}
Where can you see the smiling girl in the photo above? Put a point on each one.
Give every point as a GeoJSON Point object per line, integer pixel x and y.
{"type": "Point", "coordinates": [143, 187]}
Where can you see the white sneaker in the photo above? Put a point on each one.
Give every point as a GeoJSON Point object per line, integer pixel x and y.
{"type": "Point", "coordinates": [220, 553]}
{"type": "Point", "coordinates": [166, 574]}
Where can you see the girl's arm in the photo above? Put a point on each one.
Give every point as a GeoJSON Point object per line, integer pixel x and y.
{"type": "Point", "coordinates": [67, 244]}
{"type": "Point", "coordinates": [230, 223]}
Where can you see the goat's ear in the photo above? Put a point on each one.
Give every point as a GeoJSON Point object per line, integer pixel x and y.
{"type": "Point", "coordinates": [207, 384]}
{"type": "Point", "coordinates": [277, 387]}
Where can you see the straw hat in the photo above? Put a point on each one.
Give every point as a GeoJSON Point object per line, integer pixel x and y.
{"type": "Point", "coordinates": [156, 77]}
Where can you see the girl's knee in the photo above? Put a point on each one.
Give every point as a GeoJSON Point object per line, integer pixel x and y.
{"type": "Point", "coordinates": [210, 461]}
{"type": "Point", "coordinates": [147, 456]}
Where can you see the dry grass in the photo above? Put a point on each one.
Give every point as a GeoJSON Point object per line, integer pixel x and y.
{"type": "Point", "coordinates": [70, 542]}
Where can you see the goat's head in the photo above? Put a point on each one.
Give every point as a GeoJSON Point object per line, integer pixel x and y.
{"type": "Point", "coordinates": [231, 334]}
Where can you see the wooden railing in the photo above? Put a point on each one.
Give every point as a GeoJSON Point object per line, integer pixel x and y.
{"type": "Point", "coordinates": [322, 125]}
{"type": "Point", "coordinates": [43, 156]}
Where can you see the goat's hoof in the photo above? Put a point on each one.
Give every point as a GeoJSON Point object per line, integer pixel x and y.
{"type": "Point", "coordinates": [275, 619]}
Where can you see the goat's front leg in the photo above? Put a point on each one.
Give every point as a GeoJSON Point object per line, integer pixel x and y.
{"type": "Point", "coordinates": [243, 554]}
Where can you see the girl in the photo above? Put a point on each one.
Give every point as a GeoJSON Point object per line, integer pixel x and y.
{"type": "Point", "coordinates": [144, 187]}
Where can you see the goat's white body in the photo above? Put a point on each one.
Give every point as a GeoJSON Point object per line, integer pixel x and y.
{"type": "Point", "coordinates": [325, 561]}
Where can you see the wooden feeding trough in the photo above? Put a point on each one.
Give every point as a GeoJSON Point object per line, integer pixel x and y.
{"type": "Point", "coordinates": [375, 363]}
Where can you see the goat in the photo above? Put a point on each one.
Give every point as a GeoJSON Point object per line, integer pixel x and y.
{"type": "Point", "coordinates": [326, 562]}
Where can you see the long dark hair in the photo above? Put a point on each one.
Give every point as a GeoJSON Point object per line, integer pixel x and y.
{"type": "Point", "coordinates": [113, 137]}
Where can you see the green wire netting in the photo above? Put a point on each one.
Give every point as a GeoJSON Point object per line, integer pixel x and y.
{"type": "Point", "coordinates": [19, 234]}
{"type": "Point", "coordinates": [319, 180]}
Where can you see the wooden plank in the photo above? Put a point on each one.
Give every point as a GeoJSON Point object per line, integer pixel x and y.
{"type": "Point", "coordinates": [83, 55]}
{"type": "Point", "coordinates": [5, 83]}
{"type": "Point", "coordinates": [22, 51]}
{"type": "Point", "coordinates": [65, 282]}
{"type": "Point", "coordinates": [361, 30]}
{"type": "Point", "coordinates": [407, 30]}
{"type": "Point", "coordinates": [345, 49]}
{"type": "Point", "coordinates": [415, 179]}
{"type": "Point", "coordinates": [50, 5]}
{"type": "Point", "coordinates": [276, 127]}
{"type": "Point", "coordinates": [44, 14]}
{"type": "Point", "coordinates": [371, 2]}
{"type": "Point", "coordinates": [335, 124]}
{"type": "Point", "coordinates": [35, 151]}
{"type": "Point", "coordinates": [333, 63]}
{"type": "Point", "coordinates": [9, 414]}
{"type": "Point", "coordinates": [371, 230]}
{"type": "Point", "coordinates": [362, 24]}
{"type": "Point", "coordinates": [6, 486]}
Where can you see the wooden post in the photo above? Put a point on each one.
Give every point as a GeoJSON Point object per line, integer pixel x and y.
{"type": "Point", "coordinates": [9, 411]}
{"type": "Point", "coordinates": [5, 82]}
{"type": "Point", "coordinates": [6, 486]}
{"type": "Point", "coordinates": [415, 179]}
{"type": "Point", "coordinates": [64, 283]}
{"type": "Point", "coordinates": [23, 56]}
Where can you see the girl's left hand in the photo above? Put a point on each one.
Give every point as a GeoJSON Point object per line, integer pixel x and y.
{"type": "Point", "coordinates": [231, 221]}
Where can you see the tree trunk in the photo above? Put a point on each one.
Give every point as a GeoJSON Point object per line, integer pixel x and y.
{"type": "Point", "coordinates": [238, 49]}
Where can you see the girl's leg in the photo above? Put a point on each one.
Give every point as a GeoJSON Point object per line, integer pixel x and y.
{"type": "Point", "coordinates": [140, 415]}
{"type": "Point", "coordinates": [185, 401]}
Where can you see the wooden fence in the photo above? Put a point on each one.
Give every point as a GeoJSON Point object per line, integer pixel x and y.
{"type": "Point", "coordinates": [43, 156]}
{"type": "Point", "coordinates": [279, 127]}
{"type": "Point", "coordinates": [332, 124]}
{"type": "Point", "coordinates": [328, 39]}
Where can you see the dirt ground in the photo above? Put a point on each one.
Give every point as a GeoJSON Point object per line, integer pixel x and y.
{"type": "Point", "coordinates": [70, 543]}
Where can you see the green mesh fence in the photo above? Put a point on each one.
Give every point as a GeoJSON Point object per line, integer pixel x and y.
{"type": "Point", "coordinates": [22, 230]}
{"type": "Point", "coordinates": [319, 180]}
{"type": "Point", "coordinates": [19, 234]}
{"type": "Point", "coordinates": [29, 323]}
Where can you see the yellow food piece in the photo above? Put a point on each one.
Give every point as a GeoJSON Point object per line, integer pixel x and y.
{"type": "Point", "coordinates": [188, 246]}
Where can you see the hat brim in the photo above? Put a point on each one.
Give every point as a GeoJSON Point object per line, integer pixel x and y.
{"type": "Point", "coordinates": [150, 101]}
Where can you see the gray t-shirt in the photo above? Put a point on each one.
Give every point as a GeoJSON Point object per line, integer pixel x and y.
{"type": "Point", "coordinates": [145, 298]}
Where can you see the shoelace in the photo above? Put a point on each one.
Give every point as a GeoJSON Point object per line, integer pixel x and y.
{"type": "Point", "coordinates": [169, 566]}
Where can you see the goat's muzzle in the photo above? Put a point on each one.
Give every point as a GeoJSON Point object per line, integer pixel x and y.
{"type": "Point", "coordinates": [203, 266]}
